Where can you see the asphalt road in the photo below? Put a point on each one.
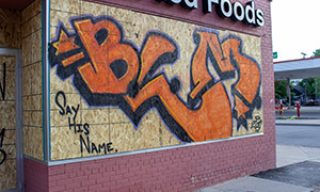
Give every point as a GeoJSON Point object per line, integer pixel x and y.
{"type": "Point", "coordinates": [307, 136]}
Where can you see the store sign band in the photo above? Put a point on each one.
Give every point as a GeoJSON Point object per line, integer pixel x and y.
{"type": "Point", "coordinates": [225, 8]}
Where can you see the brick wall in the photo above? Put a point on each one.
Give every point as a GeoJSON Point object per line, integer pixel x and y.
{"type": "Point", "coordinates": [35, 176]}
{"type": "Point", "coordinates": [181, 169]}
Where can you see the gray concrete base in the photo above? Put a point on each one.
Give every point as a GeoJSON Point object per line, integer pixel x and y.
{"type": "Point", "coordinates": [253, 184]}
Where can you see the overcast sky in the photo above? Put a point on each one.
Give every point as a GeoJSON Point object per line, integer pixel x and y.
{"type": "Point", "coordinates": [296, 27]}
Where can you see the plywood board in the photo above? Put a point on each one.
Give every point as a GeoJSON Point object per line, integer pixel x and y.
{"type": "Point", "coordinates": [134, 81]}
{"type": "Point", "coordinates": [7, 123]}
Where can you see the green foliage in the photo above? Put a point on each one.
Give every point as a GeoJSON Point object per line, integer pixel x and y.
{"type": "Point", "coordinates": [308, 84]}
{"type": "Point", "coordinates": [316, 53]}
{"type": "Point", "coordinates": [280, 89]}
{"type": "Point", "coordinates": [312, 87]}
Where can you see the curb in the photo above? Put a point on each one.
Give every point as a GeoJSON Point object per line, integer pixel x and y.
{"type": "Point", "coordinates": [297, 124]}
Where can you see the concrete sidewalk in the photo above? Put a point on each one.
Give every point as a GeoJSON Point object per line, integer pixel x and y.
{"type": "Point", "coordinates": [286, 155]}
{"type": "Point", "coordinates": [305, 109]}
{"type": "Point", "coordinates": [254, 184]}
{"type": "Point", "coordinates": [299, 122]}
{"type": "Point", "coordinates": [306, 113]}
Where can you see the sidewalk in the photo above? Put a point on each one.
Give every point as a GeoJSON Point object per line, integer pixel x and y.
{"type": "Point", "coordinates": [287, 156]}
{"type": "Point", "coordinates": [299, 122]}
{"type": "Point", "coordinates": [292, 159]}
{"type": "Point", "coordinates": [312, 113]}
{"type": "Point", "coordinates": [253, 184]}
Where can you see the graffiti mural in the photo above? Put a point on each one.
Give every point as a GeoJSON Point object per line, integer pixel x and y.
{"type": "Point", "coordinates": [3, 82]}
{"type": "Point", "coordinates": [256, 124]}
{"type": "Point", "coordinates": [3, 155]}
{"type": "Point", "coordinates": [109, 70]}
{"type": "Point", "coordinates": [71, 113]}
{"type": "Point", "coordinates": [7, 123]}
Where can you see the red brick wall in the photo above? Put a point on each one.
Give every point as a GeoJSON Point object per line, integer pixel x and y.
{"type": "Point", "coordinates": [182, 169]}
{"type": "Point", "coordinates": [35, 176]}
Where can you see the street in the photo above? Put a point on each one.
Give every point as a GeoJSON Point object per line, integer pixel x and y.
{"type": "Point", "coordinates": [306, 136]}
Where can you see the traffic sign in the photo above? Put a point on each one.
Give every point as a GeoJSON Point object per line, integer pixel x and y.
{"type": "Point", "coordinates": [275, 55]}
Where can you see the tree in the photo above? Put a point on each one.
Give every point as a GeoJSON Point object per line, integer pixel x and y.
{"type": "Point", "coordinates": [316, 53]}
{"type": "Point", "coordinates": [281, 89]}
{"type": "Point", "coordinates": [317, 87]}
{"type": "Point", "coordinates": [312, 85]}
{"type": "Point", "coordinates": [309, 86]}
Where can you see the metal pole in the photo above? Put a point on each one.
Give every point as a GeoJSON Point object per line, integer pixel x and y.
{"type": "Point", "coordinates": [316, 91]}
{"type": "Point", "coordinates": [289, 92]}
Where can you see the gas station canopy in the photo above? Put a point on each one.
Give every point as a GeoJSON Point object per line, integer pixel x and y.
{"type": "Point", "coordinates": [297, 69]}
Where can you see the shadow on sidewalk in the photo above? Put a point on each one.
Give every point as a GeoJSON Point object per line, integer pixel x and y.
{"type": "Point", "coordinates": [306, 174]}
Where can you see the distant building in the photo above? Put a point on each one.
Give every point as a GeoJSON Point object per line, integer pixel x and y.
{"type": "Point", "coordinates": [298, 69]}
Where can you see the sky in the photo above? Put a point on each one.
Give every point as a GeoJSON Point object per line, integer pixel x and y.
{"type": "Point", "coordinates": [295, 28]}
